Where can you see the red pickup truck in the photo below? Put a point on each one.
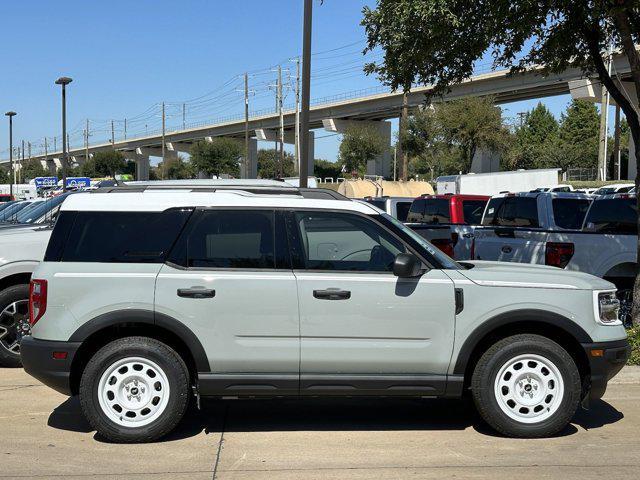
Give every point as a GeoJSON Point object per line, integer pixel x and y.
{"type": "Point", "coordinates": [448, 221]}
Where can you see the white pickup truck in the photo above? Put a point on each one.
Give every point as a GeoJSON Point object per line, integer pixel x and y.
{"type": "Point", "coordinates": [568, 231]}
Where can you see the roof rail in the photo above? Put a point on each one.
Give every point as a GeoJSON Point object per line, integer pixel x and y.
{"type": "Point", "coordinates": [311, 193]}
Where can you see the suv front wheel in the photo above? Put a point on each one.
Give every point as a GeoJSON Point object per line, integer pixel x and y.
{"type": "Point", "coordinates": [526, 386]}
{"type": "Point", "coordinates": [134, 389]}
{"type": "Point", "coordinates": [14, 323]}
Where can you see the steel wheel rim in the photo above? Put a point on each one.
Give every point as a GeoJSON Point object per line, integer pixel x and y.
{"type": "Point", "coordinates": [14, 325]}
{"type": "Point", "coordinates": [529, 388]}
{"type": "Point", "coordinates": [133, 392]}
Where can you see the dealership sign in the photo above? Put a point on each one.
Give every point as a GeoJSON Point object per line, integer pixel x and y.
{"type": "Point", "coordinates": [78, 182]}
{"type": "Point", "coordinates": [45, 181]}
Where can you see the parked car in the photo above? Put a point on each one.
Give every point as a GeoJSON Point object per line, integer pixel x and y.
{"type": "Point", "coordinates": [615, 188]}
{"type": "Point", "coordinates": [565, 188]}
{"type": "Point", "coordinates": [147, 296]}
{"type": "Point", "coordinates": [397, 207]}
{"type": "Point", "coordinates": [604, 244]}
{"type": "Point", "coordinates": [448, 221]}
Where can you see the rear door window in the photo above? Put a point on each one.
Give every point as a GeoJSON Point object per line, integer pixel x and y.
{"type": "Point", "coordinates": [616, 216]}
{"type": "Point", "coordinates": [402, 210]}
{"type": "Point", "coordinates": [569, 213]}
{"type": "Point", "coordinates": [377, 203]}
{"type": "Point", "coordinates": [472, 211]}
{"type": "Point", "coordinates": [416, 212]}
{"type": "Point", "coordinates": [514, 212]}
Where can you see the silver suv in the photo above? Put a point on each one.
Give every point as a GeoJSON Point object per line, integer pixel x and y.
{"type": "Point", "coordinates": [149, 296]}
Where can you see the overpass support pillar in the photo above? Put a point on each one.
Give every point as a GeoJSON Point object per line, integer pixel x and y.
{"type": "Point", "coordinates": [381, 165]}
{"type": "Point", "coordinates": [289, 138]}
{"type": "Point", "coordinates": [53, 165]}
{"type": "Point", "coordinates": [142, 164]}
{"type": "Point", "coordinates": [250, 169]}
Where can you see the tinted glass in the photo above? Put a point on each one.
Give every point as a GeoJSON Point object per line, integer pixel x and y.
{"type": "Point", "coordinates": [123, 237]}
{"type": "Point", "coordinates": [472, 211]}
{"type": "Point", "coordinates": [346, 242]}
{"type": "Point", "coordinates": [232, 239]}
{"type": "Point", "coordinates": [512, 212]}
{"type": "Point", "coordinates": [618, 215]}
{"type": "Point", "coordinates": [569, 212]}
{"type": "Point", "coordinates": [416, 212]}
{"type": "Point", "coordinates": [624, 189]}
{"type": "Point", "coordinates": [9, 214]}
{"type": "Point", "coordinates": [377, 203]}
{"type": "Point", "coordinates": [5, 205]}
{"type": "Point", "coordinates": [436, 210]}
{"type": "Point", "coordinates": [402, 210]}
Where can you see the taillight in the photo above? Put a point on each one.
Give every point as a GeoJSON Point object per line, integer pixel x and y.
{"type": "Point", "coordinates": [37, 300]}
{"type": "Point", "coordinates": [445, 245]}
{"type": "Point", "coordinates": [558, 254]}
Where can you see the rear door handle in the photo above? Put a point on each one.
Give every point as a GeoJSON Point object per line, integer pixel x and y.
{"type": "Point", "coordinates": [332, 294]}
{"type": "Point", "coordinates": [196, 292]}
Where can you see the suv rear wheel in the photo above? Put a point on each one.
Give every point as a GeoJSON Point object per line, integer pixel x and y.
{"type": "Point", "coordinates": [14, 323]}
{"type": "Point", "coordinates": [134, 389]}
{"type": "Point", "coordinates": [526, 386]}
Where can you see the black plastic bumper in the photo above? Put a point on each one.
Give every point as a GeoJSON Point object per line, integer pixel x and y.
{"type": "Point", "coordinates": [39, 362]}
{"type": "Point", "coordinates": [606, 359]}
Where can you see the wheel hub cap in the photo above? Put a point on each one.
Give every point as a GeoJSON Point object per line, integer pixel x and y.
{"type": "Point", "coordinates": [529, 388]}
{"type": "Point", "coordinates": [133, 392]}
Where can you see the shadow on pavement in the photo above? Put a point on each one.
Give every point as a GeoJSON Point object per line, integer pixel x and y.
{"type": "Point", "coordinates": [329, 415]}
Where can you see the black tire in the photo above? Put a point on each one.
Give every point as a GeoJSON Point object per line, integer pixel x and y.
{"type": "Point", "coordinates": [490, 365]}
{"type": "Point", "coordinates": [145, 348]}
{"type": "Point", "coordinates": [16, 293]}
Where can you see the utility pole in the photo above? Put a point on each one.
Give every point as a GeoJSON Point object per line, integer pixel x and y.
{"type": "Point", "coordinates": [55, 143]}
{"type": "Point", "coordinates": [246, 125]}
{"type": "Point", "coordinates": [46, 152]}
{"type": "Point", "coordinates": [306, 93]}
{"type": "Point", "coordinates": [13, 173]}
{"type": "Point", "coordinates": [113, 135]}
{"type": "Point", "coordinates": [280, 114]}
{"type": "Point", "coordinates": [184, 116]}
{"type": "Point", "coordinates": [86, 141]}
{"type": "Point", "coordinates": [163, 146]}
{"type": "Point", "coordinates": [522, 116]}
{"type": "Point", "coordinates": [22, 161]}
{"type": "Point", "coordinates": [297, 127]}
{"type": "Point", "coordinates": [125, 128]}
{"type": "Point", "coordinates": [616, 144]}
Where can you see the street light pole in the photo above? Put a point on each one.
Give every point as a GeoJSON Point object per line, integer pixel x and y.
{"type": "Point", "coordinates": [306, 92]}
{"type": "Point", "coordinates": [64, 81]}
{"type": "Point", "coordinates": [11, 115]}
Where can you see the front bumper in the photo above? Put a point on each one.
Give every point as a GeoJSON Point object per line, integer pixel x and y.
{"type": "Point", "coordinates": [39, 362]}
{"type": "Point", "coordinates": [606, 359]}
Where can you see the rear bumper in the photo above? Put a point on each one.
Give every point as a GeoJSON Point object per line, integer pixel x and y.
{"type": "Point", "coordinates": [39, 362]}
{"type": "Point", "coordinates": [605, 366]}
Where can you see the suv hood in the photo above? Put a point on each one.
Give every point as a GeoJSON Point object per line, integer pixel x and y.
{"type": "Point", "coordinates": [507, 274]}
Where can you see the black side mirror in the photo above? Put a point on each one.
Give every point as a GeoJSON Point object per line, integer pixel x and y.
{"type": "Point", "coordinates": [407, 265]}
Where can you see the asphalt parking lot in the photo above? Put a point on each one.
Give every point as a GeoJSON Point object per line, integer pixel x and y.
{"type": "Point", "coordinates": [43, 435]}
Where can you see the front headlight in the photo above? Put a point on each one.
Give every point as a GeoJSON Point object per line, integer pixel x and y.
{"type": "Point", "coordinates": [607, 307]}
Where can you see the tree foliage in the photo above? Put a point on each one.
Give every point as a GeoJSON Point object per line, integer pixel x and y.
{"type": "Point", "coordinates": [32, 169]}
{"type": "Point", "coordinates": [269, 164]}
{"type": "Point", "coordinates": [220, 156]}
{"type": "Point", "coordinates": [325, 168]}
{"type": "Point", "coordinates": [360, 144]}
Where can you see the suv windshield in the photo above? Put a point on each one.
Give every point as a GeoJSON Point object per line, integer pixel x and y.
{"type": "Point", "coordinates": [616, 215]}
{"type": "Point", "coordinates": [42, 208]}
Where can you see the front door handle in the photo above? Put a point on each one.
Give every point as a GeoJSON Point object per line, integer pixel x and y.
{"type": "Point", "coordinates": [196, 292]}
{"type": "Point", "coordinates": [332, 294]}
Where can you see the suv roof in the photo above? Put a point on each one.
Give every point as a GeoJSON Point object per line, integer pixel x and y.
{"type": "Point", "coordinates": [461, 196]}
{"type": "Point", "coordinates": [151, 198]}
{"type": "Point", "coordinates": [548, 194]}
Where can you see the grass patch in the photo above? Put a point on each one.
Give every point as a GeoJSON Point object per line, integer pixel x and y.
{"type": "Point", "coordinates": [634, 340]}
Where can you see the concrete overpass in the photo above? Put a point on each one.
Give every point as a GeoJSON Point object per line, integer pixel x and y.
{"type": "Point", "coordinates": [336, 114]}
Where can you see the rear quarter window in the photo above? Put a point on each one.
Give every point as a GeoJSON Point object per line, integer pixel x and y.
{"type": "Point", "coordinates": [615, 216]}
{"type": "Point", "coordinates": [472, 211]}
{"type": "Point", "coordinates": [115, 237]}
{"type": "Point", "coordinates": [569, 213]}
{"type": "Point", "coordinates": [402, 210]}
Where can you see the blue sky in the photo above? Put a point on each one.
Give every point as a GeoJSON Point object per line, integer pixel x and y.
{"type": "Point", "coordinates": [126, 57]}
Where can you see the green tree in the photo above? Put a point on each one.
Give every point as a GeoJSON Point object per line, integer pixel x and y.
{"type": "Point", "coordinates": [439, 42]}
{"type": "Point", "coordinates": [221, 156]}
{"type": "Point", "coordinates": [105, 164]}
{"type": "Point", "coordinates": [325, 168]}
{"type": "Point", "coordinates": [179, 169]}
{"type": "Point", "coordinates": [269, 164]}
{"type": "Point", "coordinates": [579, 133]}
{"type": "Point", "coordinates": [360, 144]}
{"type": "Point", "coordinates": [32, 169]}
{"type": "Point", "coordinates": [530, 147]}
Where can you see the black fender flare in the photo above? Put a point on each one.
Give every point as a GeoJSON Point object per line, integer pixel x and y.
{"type": "Point", "coordinates": [542, 317]}
{"type": "Point", "coordinates": [147, 317]}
